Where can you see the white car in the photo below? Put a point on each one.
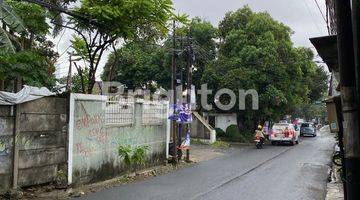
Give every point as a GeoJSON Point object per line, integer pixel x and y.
{"type": "Point", "coordinates": [284, 133]}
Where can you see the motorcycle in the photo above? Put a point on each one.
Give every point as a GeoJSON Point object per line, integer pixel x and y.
{"type": "Point", "coordinates": [259, 142]}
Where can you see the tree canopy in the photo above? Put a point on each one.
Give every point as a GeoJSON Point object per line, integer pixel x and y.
{"type": "Point", "coordinates": [256, 52]}
{"type": "Point", "coordinates": [25, 51]}
{"type": "Point", "coordinates": [143, 64]}
{"type": "Point", "coordinates": [111, 21]}
{"type": "Point", "coordinates": [248, 50]}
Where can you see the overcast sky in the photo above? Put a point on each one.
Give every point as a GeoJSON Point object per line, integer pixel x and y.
{"type": "Point", "coordinates": [302, 16]}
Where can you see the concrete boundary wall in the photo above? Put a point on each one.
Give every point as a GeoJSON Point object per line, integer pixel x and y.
{"type": "Point", "coordinates": [41, 142]}
{"type": "Point", "coordinates": [69, 134]}
{"type": "Point", "coordinates": [6, 147]}
{"type": "Point", "coordinates": [93, 143]}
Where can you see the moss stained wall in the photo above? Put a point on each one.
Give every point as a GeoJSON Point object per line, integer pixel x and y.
{"type": "Point", "coordinates": [95, 144]}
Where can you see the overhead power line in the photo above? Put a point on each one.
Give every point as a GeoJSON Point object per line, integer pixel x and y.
{"type": "Point", "coordinates": [322, 14]}
{"type": "Point", "coordinates": [311, 15]}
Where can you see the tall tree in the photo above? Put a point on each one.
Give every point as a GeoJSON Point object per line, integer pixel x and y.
{"type": "Point", "coordinates": [146, 65]}
{"type": "Point", "coordinates": [112, 21]}
{"type": "Point", "coordinates": [256, 52]}
{"type": "Point", "coordinates": [27, 52]}
{"type": "Point", "coordinates": [139, 65]}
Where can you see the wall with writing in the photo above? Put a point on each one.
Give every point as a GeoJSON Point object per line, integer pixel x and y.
{"type": "Point", "coordinates": [95, 143]}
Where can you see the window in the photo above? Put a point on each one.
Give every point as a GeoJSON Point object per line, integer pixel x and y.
{"type": "Point", "coordinates": [120, 113]}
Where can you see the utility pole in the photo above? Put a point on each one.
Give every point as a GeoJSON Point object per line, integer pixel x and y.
{"type": "Point", "coordinates": [349, 98]}
{"type": "Point", "coordinates": [68, 81]}
{"type": "Point", "coordinates": [173, 87]}
{"type": "Point", "coordinates": [190, 58]}
{"type": "Point", "coordinates": [356, 32]}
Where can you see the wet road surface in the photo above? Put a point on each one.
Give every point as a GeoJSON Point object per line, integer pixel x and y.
{"type": "Point", "coordinates": [274, 173]}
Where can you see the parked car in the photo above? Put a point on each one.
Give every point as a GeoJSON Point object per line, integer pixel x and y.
{"type": "Point", "coordinates": [307, 129]}
{"type": "Point", "coordinates": [284, 133]}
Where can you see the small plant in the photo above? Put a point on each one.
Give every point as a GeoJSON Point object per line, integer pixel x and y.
{"type": "Point", "coordinates": [60, 179]}
{"type": "Point", "coordinates": [133, 157]}
{"type": "Point", "coordinates": [125, 153]}
{"type": "Point", "coordinates": [233, 134]}
{"type": "Point", "coordinates": [220, 133]}
{"type": "Point", "coordinates": [220, 145]}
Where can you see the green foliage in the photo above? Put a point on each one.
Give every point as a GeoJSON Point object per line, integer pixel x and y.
{"type": "Point", "coordinates": [79, 82]}
{"type": "Point", "coordinates": [256, 52]}
{"type": "Point", "coordinates": [220, 145]}
{"type": "Point", "coordinates": [133, 157]}
{"type": "Point", "coordinates": [11, 20]}
{"type": "Point", "coordinates": [80, 47]}
{"type": "Point", "coordinates": [32, 67]}
{"type": "Point", "coordinates": [26, 52]}
{"type": "Point", "coordinates": [220, 133]}
{"type": "Point", "coordinates": [318, 84]}
{"type": "Point", "coordinates": [5, 42]}
{"type": "Point", "coordinates": [137, 65]}
{"type": "Point", "coordinates": [135, 20]}
{"type": "Point", "coordinates": [33, 16]}
{"type": "Point", "coordinates": [125, 19]}
{"type": "Point", "coordinates": [232, 133]}
{"type": "Point", "coordinates": [310, 111]}
{"type": "Point", "coordinates": [140, 64]}
{"type": "Point", "coordinates": [60, 178]}
{"type": "Point", "coordinates": [139, 154]}
{"type": "Point", "coordinates": [125, 152]}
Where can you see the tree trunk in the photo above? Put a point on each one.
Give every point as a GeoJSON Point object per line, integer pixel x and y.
{"type": "Point", "coordinates": [91, 84]}
{"type": "Point", "coordinates": [2, 85]}
{"type": "Point", "coordinates": [240, 121]}
{"type": "Point", "coordinates": [18, 84]}
{"type": "Point", "coordinates": [80, 72]}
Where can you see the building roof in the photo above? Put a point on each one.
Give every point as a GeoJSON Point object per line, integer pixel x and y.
{"type": "Point", "coordinates": [326, 46]}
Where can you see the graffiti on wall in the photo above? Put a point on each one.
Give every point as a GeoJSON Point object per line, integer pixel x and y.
{"type": "Point", "coordinates": [89, 134]}
{"type": "Point", "coordinates": [90, 126]}
{"type": "Point", "coordinates": [83, 150]}
{"type": "Point", "coordinates": [87, 120]}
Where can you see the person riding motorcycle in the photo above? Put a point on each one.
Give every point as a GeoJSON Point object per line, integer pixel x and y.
{"type": "Point", "coordinates": [259, 133]}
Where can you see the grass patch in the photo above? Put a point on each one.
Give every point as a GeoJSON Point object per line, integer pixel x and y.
{"type": "Point", "coordinates": [197, 142]}
{"type": "Point", "coordinates": [220, 145]}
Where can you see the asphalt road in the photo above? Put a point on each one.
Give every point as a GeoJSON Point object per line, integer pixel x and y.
{"type": "Point", "coordinates": [273, 173]}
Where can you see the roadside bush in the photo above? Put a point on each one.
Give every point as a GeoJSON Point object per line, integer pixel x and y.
{"type": "Point", "coordinates": [133, 157]}
{"type": "Point", "coordinates": [233, 135]}
{"type": "Point", "coordinates": [246, 137]}
{"type": "Point", "coordinates": [220, 133]}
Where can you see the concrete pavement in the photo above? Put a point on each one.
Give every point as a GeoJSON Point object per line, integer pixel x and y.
{"type": "Point", "coordinates": [275, 172]}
